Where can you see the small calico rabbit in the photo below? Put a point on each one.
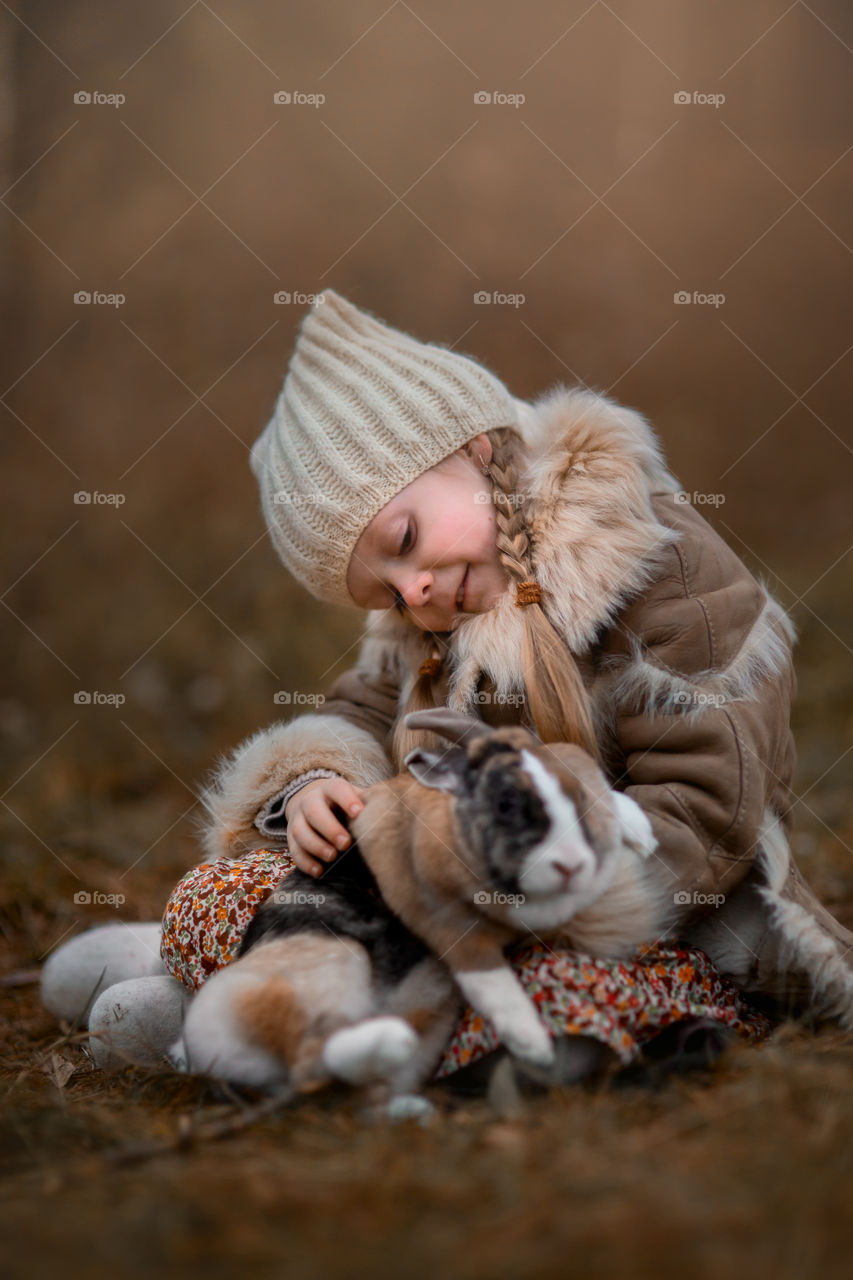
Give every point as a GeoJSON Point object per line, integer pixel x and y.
{"type": "Point", "coordinates": [327, 984]}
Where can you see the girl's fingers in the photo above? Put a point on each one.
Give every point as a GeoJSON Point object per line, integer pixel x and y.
{"type": "Point", "coordinates": [310, 840]}
{"type": "Point", "coordinates": [306, 863]}
{"type": "Point", "coordinates": [304, 860]}
{"type": "Point", "coordinates": [324, 823]}
{"type": "Point", "coordinates": [345, 794]}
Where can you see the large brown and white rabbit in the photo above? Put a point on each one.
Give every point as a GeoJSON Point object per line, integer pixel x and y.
{"type": "Point", "coordinates": [359, 975]}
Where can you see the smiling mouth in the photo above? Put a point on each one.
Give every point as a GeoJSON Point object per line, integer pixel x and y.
{"type": "Point", "coordinates": [460, 594]}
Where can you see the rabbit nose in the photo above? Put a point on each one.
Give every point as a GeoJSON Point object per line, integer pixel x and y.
{"type": "Point", "coordinates": [564, 869]}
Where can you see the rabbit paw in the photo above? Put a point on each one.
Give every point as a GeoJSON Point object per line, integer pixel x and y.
{"type": "Point", "coordinates": [370, 1050]}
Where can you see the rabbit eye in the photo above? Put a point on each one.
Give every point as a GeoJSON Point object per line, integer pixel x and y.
{"type": "Point", "coordinates": [507, 803]}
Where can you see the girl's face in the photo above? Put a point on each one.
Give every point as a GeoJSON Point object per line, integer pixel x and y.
{"type": "Point", "coordinates": [438, 531]}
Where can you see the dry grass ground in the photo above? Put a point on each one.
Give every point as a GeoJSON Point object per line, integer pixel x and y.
{"type": "Point", "coordinates": [748, 1173]}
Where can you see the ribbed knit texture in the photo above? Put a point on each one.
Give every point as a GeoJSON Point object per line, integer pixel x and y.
{"type": "Point", "coordinates": [364, 410]}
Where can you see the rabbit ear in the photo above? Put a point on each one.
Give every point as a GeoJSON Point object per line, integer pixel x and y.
{"type": "Point", "coordinates": [441, 770]}
{"type": "Point", "coordinates": [456, 726]}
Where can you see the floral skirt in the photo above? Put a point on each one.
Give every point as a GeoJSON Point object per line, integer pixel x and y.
{"type": "Point", "coordinates": [619, 1002]}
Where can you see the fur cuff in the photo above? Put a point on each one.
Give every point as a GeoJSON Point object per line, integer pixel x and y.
{"type": "Point", "coordinates": [264, 764]}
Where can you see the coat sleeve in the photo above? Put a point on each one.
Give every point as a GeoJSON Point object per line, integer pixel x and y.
{"type": "Point", "coordinates": [350, 735]}
{"type": "Point", "coordinates": [700, 715]}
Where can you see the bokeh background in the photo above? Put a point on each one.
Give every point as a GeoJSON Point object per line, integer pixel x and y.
{"type": "Point", "coordinates": [629, 153]}
{"type": "Point", "coordinates": [199, 199]}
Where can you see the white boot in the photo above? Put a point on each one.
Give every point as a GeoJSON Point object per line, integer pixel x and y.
{"type": "Point", "coordinates": [79, 970]}
{"type": "Point", "coordinates": [136, 1022]}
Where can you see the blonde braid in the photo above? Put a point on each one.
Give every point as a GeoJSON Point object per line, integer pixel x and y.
{"type": "Point", "coordinates": [421, 698]}
{"type": "Point", "coordinates": [556, 695]}
{"type": "Point", "coordinates": [557, 698]}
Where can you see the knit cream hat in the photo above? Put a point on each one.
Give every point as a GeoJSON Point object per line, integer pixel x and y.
{"type": "Point", "coordinates": [364, 411]}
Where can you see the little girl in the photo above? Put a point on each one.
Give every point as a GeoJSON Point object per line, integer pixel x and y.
{"type": "Point", "coordinates": [535, 564]}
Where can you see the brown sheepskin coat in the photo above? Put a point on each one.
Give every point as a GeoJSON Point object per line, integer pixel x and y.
{"type": "Point", "coordinates": [687, 660]}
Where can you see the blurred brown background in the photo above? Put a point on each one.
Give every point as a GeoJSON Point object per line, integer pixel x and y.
{"type": "Point", "coordinates": [199, 198]}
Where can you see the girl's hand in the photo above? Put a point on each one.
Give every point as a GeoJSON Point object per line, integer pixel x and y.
{"type": "Point", "coordinates": [313, 830]}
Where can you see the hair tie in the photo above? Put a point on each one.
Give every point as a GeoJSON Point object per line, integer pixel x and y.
{"type": "Point", "coordinates": [528, 592]}
{"type": "Point", "coordinates": [430, 666]}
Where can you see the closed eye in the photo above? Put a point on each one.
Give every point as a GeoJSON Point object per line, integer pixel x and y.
{"type": "Point", "coordinates": [405, 546]}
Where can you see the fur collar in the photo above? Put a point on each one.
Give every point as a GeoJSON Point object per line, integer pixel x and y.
{"type": "Point", "coordinates": [589, 465]}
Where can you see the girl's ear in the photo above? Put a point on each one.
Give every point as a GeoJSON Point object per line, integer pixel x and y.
{"type": "Point", "coordinates": [480, 449]}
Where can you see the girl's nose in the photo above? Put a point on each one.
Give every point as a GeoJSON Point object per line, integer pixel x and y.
{"type": "Point", "coordinates": [418, 590]}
